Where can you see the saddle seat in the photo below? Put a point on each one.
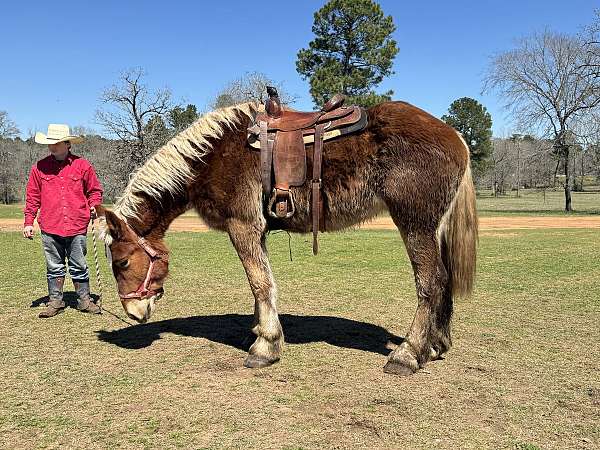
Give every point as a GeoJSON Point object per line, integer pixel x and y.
{"type": "Point", "coordinates": [281, 136]}
{"type": "Point", "coordinates": [279, 119]}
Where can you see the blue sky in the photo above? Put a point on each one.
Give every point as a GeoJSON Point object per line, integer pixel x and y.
{"type": "Point", "coordinates": [58, 56]}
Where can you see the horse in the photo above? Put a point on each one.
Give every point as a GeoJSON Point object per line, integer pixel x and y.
{"type": "Point", "coordinates": [405, 161]}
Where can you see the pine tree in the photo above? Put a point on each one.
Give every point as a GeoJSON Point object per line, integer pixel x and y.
{"type": "Point", "coordinates": [352, 52]}
{"type": "Point", "coordinates": [474, 122]}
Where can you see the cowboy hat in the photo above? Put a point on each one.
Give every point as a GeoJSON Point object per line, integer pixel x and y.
{"type": "Point", "coordinates": [57, 133]}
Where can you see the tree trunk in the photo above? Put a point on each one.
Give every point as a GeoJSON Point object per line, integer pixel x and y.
{"type": "Point", "coordinates": [582, 170]}
{"type": "Point", "coordinates": [555, 173]}
{"type": "Point", "coordinates": [518, 168]}
{"type": "Point", "coordinates": [568, 181]}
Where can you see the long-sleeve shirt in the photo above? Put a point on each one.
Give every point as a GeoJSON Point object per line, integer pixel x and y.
{"type": "Point", "coordinates": [63, 192]}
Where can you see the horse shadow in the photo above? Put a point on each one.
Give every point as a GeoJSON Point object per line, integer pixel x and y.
{"type": "Point", "coordinates": [233, 330]}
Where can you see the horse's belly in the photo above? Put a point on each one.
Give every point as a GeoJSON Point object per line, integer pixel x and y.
{"type": "Point", "coordinates": [343, 208]}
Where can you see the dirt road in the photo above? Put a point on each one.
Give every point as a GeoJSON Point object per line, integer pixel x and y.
{"type": "Point", "coordinates": [384, 223]}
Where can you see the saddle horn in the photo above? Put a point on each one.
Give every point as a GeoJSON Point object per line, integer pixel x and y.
{"type": "Point", "coordinates": [273, 104]}
{"type": "Point", "coordinates": [334, 102]}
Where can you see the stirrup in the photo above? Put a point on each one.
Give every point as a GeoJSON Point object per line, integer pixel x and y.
{"type": "Point", "coordinates": [285, 208]}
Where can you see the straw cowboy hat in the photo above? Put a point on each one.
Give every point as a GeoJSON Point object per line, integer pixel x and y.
{"type": "Point", "coordinates": [57, 133]}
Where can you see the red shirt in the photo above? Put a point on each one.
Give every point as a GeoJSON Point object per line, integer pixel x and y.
{"type": "Point", "coordinates": [64, 192]}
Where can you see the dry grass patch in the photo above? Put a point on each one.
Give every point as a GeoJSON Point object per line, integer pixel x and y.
{"type": "Point", "coordinates": [523, 372]}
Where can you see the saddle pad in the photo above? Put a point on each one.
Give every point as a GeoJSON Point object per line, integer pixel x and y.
{"type": "Point", "coordinates": [308, 136]}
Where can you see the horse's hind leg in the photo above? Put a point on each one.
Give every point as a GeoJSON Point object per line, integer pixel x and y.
{"type": "Point", "coordinates": [429, 334]}
{"type": "Point", "coordinates": [249, 242]}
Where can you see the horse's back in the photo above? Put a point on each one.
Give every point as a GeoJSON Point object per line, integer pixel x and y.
{"type": "Point", "coordinates": [405, 157]}
{"type": "Point", "coordinates": [412, 128]}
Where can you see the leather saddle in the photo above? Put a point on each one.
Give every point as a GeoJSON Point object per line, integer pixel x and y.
{"type": "Point", "coordinates": [281, 135]}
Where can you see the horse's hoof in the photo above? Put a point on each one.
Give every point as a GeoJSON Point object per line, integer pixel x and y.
{"type": "Point", "coordinates": [258, 362]}
{"type": "Point", "coordinates": [397, 369]}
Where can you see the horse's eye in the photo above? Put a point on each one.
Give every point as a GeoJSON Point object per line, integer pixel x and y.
{"type": "Point", "coordinates": [122, 264]}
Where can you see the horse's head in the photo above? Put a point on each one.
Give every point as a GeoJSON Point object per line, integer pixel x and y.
{"type": "Point", "coordinates": [139, 265]}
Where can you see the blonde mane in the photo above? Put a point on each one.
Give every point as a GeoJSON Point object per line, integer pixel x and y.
{"type": "Point", "coordinates": [167, 170]}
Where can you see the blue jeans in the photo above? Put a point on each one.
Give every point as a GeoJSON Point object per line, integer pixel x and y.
{"type": "Point", "coordinates": [73, 248]}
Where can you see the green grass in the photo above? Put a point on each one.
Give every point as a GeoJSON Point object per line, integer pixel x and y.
{"type": "Point", "coordinates": [522, 373]}
{"type": "Point", "coordinates": [11, 211]}
{"type": "Point", "coordinates": [536, 202]}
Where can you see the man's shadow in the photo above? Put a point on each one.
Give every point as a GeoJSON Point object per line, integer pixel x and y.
{"type": "Point", "coordinates": [233, 330]}
{"type": "Point", "coordinates": [70, 298]}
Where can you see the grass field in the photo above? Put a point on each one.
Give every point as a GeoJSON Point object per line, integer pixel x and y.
{"type": "Point", "coordinates": [523, 372]}
{"type": "Point", "coordinates": [535, 202]}
{"type": "Point", "coordinates": [529, 202]}
{"type": "Point", "coordinates": [11, 211]}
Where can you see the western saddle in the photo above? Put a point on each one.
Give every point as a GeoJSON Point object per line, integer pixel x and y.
{"type": "Point", "coordinates": [281, 135]}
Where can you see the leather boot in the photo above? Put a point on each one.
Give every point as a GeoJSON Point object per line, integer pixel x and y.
{"type": "Point", "coordinates": [56, 304]}
{"type": "Point", "coordinates": [85, 302]}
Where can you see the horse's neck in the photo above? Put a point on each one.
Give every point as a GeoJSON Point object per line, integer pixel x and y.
{"type": "Point", "coordinates": [155, 217]}
{"type": "Point", "coordinates": [153, 222]}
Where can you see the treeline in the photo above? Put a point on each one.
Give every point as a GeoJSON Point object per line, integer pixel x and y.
{"type": "Point", "coordinates": [516, 162]}
{"type": "Point", "coordinates": [524, 162]}
{"type": "Point", "coordinates": [19, 155]}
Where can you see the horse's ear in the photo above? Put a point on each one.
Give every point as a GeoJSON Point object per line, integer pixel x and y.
{"type": "Point", "coordinates": [100, 211]}
{"type": "Point", "coordinates": [113, 228]}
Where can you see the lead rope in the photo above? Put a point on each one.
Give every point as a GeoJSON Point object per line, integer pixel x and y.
{"type": "Point", "coordinates": [98, 280]}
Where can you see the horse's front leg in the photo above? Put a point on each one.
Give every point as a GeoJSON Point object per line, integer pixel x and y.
{"type": "Point", "coordinates": [249, 242]}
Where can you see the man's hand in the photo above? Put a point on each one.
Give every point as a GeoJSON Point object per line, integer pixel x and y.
{"type": "Point", "coordinates": [28, 232]}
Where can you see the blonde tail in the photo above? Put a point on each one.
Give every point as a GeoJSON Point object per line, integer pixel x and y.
{"type": "Point", "coordinates": [458, 235]}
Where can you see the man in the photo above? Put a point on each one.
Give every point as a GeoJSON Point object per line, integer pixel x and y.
{"type": "Point", "coordinates": [65, 188]}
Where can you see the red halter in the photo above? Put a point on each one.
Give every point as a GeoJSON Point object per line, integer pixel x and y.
{"type": "Point", "coordinates": [143, 290]}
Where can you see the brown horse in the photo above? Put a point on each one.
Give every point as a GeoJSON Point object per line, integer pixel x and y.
{"type": "Point", "coordinates": [405, 161]}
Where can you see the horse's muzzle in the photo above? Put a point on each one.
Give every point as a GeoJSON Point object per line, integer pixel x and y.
{"type": "Point", "coordinates": [142, 309]}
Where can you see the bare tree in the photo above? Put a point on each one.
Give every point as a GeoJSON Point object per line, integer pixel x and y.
{"type": "Point", "coordinates": [101, 152]}
{"type": "Point", "coordinates": [538, 162]}
{"type": "Point", "coordinates": [593, 151]}
{"type": "Point", "coordinates": [520, 161]}
{"type": "Point", "coordinates": [129, 106]}
{"type": "Point", "coordinates": [7, 156]}
{"type": "Point", "coordinates": [547, 83]}
{"type": "Point", "coordinates": [252, 87]}
{"type": "Point", "coordinates": [591, 42]}
{"type": "Point", "coordinates": [499, 159]}
{"type": "Point", "coordinates": [502, 165]}
{"type": "Point", "coordinates": [8, 130]}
